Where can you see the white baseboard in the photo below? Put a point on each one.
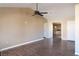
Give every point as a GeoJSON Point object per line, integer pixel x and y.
{"type": "Point", "coordinates": [76, 53]}
{"type": "Point", "coordinates": [21, 44]}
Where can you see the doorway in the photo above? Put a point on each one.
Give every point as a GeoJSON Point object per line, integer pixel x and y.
{"type": "Point", "coordinates": [57, 31]}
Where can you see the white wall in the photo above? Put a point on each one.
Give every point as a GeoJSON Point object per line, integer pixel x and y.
{"type": "Point", "coordinates": [46, 29]}
{"type": "Point", "coordinates": [58, 13]}
{"type": "Point", "coordinates": [71, 30]}
{"type": "Point", "coordinates": [63, 28]}
{"type": "Point", "coordinates": [77, 29]}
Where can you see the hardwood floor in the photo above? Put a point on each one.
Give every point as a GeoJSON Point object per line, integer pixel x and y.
{"type": "Point", "coordinates": [0, 53]}
{"type": "Point", "coordinates": [45, 47]}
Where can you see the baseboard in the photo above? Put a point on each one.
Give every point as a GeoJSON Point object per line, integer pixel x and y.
{"type": "Point", "coordinates": [20, 44]}
{"type": "Point", "coordinates": [76, 53]}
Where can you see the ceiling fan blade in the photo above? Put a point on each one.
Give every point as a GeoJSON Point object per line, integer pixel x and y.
{"type": "Point", "coordinates": [44, 12]}
{"type": "Point", "coordinates": [37, 13]}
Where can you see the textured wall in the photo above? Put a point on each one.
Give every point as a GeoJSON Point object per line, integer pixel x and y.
{"type": "Point", "coordinates": [17, 25]}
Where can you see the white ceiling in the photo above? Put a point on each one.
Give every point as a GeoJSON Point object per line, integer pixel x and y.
{"type": "Point", "coordinates": [23, 5]}
{"type": "Point", "coordinates": [32, 5]}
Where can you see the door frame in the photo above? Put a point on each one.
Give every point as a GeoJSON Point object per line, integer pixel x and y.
{"type": "Point", "coordinates": [61, 29]}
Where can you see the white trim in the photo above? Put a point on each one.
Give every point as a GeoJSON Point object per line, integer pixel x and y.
{"type": "Point", "coordinates": [76, 53]}
{"type": "Point", "coordinates": [21, 44]}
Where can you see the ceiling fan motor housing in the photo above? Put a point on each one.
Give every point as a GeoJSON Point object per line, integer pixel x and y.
{"type": "Point", "coordinates": [38, 13]}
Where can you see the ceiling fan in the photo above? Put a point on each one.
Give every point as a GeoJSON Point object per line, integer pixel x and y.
{"type": "Point", "coordinates": [37, 12]}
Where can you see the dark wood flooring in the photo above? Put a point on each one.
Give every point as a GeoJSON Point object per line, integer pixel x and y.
{"type": "Point", "coordinates": [45, 47]}
{"type": "Point", "coordinates": [0, 53]}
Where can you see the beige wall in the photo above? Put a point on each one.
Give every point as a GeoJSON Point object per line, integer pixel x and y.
{"type": "Point", "coordinates": [17, 25]}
